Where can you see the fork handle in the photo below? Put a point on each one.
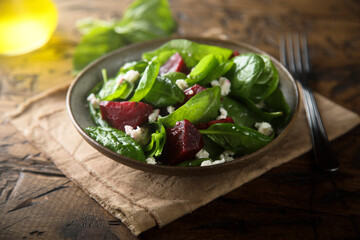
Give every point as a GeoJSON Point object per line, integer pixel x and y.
{"type": "Point", "coordinates": [323, 154]}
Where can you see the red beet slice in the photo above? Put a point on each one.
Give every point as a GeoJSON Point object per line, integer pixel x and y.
{"type": "Point", "coordinates": [174, 64]}
{"type": "Point", "coordinates": [119, 114]}
{"type": "Point", "coordinates": [183, 141]}
{"type": "Point", "coordinates": [208, 124]}
{"type": "Point", "coordinates": [192, 91]}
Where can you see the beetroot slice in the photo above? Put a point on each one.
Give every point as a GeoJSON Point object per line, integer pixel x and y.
{"type": "Point", "coordinates": [174, 64]}
{"type": "Point", "coordinates": [183, 141]}
{"type": "Point", "coordinates": [192, 91]}
{"type": "Point", "coordinates": [119, 114]}
{"type": "Point", "coordinates": [208, 124]}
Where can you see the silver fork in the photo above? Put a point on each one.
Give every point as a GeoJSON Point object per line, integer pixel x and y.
{"type": "Point", "coordinates": [294, 56]}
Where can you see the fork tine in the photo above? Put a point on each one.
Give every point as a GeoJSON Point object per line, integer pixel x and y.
{"type": "Point", "coordinates": [283, 57]}
{"type": "Point", "coordinates": [298, 62]}
{"type": "Point", "coordinates": [304, 46]}
{"type": "Point", "coordinates": [290, 48]}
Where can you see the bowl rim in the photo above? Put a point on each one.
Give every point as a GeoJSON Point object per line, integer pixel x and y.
{"type": "Point", "coordinates": [178, 170]}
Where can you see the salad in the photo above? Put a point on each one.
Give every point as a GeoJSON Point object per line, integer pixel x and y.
{"type": "Point", "coordinates": [189, 104]}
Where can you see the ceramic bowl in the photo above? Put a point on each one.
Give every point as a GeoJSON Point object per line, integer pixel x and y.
{"type": "Point", "coordinates": [87, 79]}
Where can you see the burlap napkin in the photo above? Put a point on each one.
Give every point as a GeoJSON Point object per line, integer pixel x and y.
{"type": "Point", "coordinates": [143, 200]}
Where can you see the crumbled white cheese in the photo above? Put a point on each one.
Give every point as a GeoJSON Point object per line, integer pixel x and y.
{"type": "Point", "coordinates": [190, 92]}
{"type": "Point", "coordinates": [260, 105]}
{"type": "Point", "coordinates": [151, 160]}
{"type": "Point", "coordinates": [224, 85]}
{"type": "Point", "coordinates": [206, 163]}
{"type": "Point", "coordinates": [170, 109]}
{"type": "Point", "coordinates": [202, 154]}
{"type": "Point", "coordinates": [264, 128]}
{"type": "Point", "coordinates": [209, 162]}
{"type": "Point", "coordinates": [215, 83]}
{"type": "Point", "coordinates": [182, 84]}
{"type": "Point", "coordinates": [223, 114]}
{"type": "Point", "coordinates": [131, 76]}
{"type": "Point", "coordinates": [154, 115]}
{"type": "Point", "coordinates": [137, 134]}
{"type": "Point", "coordinates": [227, 156]}
{"type": "Point", "coordinates": [93, 100]}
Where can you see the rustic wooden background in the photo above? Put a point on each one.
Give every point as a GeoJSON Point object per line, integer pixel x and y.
{"type": "Point", "coordinates": [293, 201]}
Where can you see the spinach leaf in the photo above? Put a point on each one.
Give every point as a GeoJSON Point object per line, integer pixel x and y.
{"type": "Point", "coordinates": [240, 113]}
{"type": "Point", "coordinates": [145, 20]}
{"type": "Point", "coordinates": [202, 107]}
{"type": "Point", "coordinates": [202, 69]}
{"type": "Point", "coordinates": [217, 72]}
{"type": "Point", "coordinates": [236, 138]}
{"type": "Point", "coordinates": [147, 81]}
{"type": "Point", "coordinates": [142, 20]}
{"type": "Point", "coordinates": [95, 114]}
{"type": "Point", "coordinates": [116, 141]}
{"type": "Point", "coordinates": [158, 139]}
{"type": "Point", "coordinates": [139, 66]}
{"type": "Point", "coordinates": [190, 51]}
{"type": "Point", "coordinates": [247, 69]}
{"type": "Point", "coordinates": [164, 93]}
{"type": "Point", "coordinates": [268, 116]}
{"type": "Point", "coordinates": [212, 148]}
{"type": "Point", "coordinates": [277, 102]}
{"type": "Point", "coordinates": [173, 76]}
{"type": "Point", "coordinates": [99, 40]}
{"type": "Point", "coordinates": [266, 83]}
{"type": "Point", "coordinates": [112, 90]}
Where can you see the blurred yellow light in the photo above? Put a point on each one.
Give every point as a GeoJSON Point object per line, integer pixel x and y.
{"type": "Point", "coordinates": [25, 25]}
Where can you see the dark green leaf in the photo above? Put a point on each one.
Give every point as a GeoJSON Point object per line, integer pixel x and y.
{"type": "Point", "coordinates": [190, 51]}
{"type": "Point", "coordinates": [193, 162]}
{"type": "Point", "coordinates": [202, 69]}
{"type": "Point", "coordinates": [217, 72]}
{"type": "Point", "coordinates": [116, 141]}
{"type": "Point", "coordinates": [236, 138]}
{"type": "Point", "coordinates": [112, 90]}
{"type": "Point", "coordinates": [158, 139]}
{"type": "Point", "coordinates": [277, 102]}
{"type": "Point", "coordinates": [164, 93]}
{"type": "Point", "coordinates": [147, 81]}
{"type": "Point", "coordinates": [202, 107]}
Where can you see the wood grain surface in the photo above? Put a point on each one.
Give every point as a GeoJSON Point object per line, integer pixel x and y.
{"type": "Point", "coordinates": [293, 201]}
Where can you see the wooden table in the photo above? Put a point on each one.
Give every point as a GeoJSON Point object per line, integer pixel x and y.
{"type": "Point", "coordinates": [293, 201]}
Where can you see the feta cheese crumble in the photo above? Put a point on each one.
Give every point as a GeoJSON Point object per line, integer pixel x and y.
{"type": "Point", "coordinates": [209, 162]}
{"type": "Point", "coordinates": [182, 84]}
{"type": "Point", "coordinates": [138, 134]}
{"type": "Point", "coordinates": [170, 109]}
{"type": "Point", "coordinates": [227, 156]}
{"type": "Point", "coordinates": [151, 160]}
{"type": "Point", "coordinates": [223, 114]}
{"type": "Point", "coordinates": [264, 128]}
{"type": "Point", "coordinates": [93, 100]}
{"type": "Point", "coordinates": [202, 154]}
{"type": "Point", "coordinates": [154, 115]}
{"type": "Point", "coordinates": [224, 85]}
{"type": "Point", "coordinates": [131, 76]}
{"type": "Point", "coordinates": [260, 105]}
{"type": "Point", "coordinates": [119, 79]}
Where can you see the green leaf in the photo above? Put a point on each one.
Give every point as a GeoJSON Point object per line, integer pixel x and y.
{"type": "Point", "coordinates": [139, 66]}
{"type": "Point", "coordinates": [202, 107]}
{"type": "Point", "coordinates": [202, 69]}
{"type": "Point", "coordinates": [236, 138]}
{"type": "Point", "coordinates": [147, 81]}
{"type": "Point", "coordinates": [193, 162]}
{"type": "Point", "coordinates": [112, 90]}
{"type": "Point", "coordinates": [173, 76]}
{"type": "Point", "coordinates": [164, 93]}
{"type": "Point", "coordinates": [98, 41]}
{"type": "Point", "coordinates": [190, 51]}
{"type": "Point", "coordinates": [158, 139]}
{"type": "Point", "coordinates": [217, 72]}
{"type": "Point", "coordinates": [240, 113]}
{"type": "Point", "coordinates": [266, 83]}
{"type": "Point", "coordinates": [277, 102]}
{"type": "Point", "coordinates": [145, 20]}
{"type": "Point", "coordinates": [95, 114]}
{"type": "Point", "coordinates": [116, 141]}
